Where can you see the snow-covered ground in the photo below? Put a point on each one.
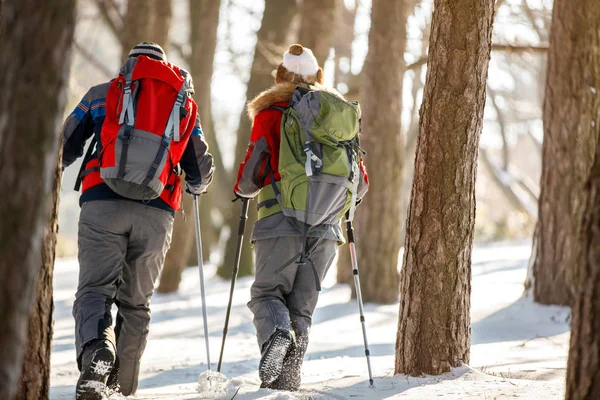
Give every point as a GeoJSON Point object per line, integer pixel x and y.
{"type": "Point", "coordinates": [519, 349]}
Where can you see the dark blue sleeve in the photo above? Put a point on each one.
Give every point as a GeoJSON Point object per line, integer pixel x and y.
{"type": "Point", "coordinates": [197, 162]}
{"type": "Point", "coordinates": [76, 130]}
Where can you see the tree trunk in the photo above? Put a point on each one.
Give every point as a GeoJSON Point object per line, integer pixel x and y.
{"type": "Point", "coordinates": [433, 329]}
{"type": "Point", "coordinates": [317, 23]}
{"type": "Point", "coordinates": [137, 25]}
{"type": "Point", "coordinates": [162, 14]}
{"type": "Point", "coordinates": [35, 380]}
{"type": "Point", "coordinates": [203, 39]}
{"type": "Point", "coordinates": [182, 243]}
{"type": "Point", "coordinates": [583, 369]}
{"type": "Point", "coordinates": [36, 42]}
{"type": "Point", "coordinates": [276, 19]}
{"type": "Point", "coordinates": [382, 139]}
{"type": "Point", "coordinates": [582, 24]}
{"type": "Point", "coordinates": [204, 21]}
{"type": "Point", "coordinates": [343, 53]}
{"type": "Point", "coordinates": [567, 151]}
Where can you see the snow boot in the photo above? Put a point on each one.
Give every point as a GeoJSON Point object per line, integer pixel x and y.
{"type": "Point", "coordinates": [291, 374]}
{"type": "Point", "coordinates": [97, 361]}
{"type": "Point", "coordinates": [113, 379]}
{"type": "Point", "coordinates": [273, 355]}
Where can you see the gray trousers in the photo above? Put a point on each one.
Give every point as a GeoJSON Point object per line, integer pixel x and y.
{"type": "Point", "coordinates": [122, 248]}
{"type": "Point", "coordinates": [287, 300]}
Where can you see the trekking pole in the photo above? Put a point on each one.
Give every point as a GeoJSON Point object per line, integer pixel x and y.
{"type": "Point", "coordinates": [201, 268]}
{"type": "Point", "coordinates": [236, 265]}
{"type": "Point", "coordinates": [351, 245]}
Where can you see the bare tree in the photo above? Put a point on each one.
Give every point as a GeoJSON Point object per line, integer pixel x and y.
{"type": "Point", "coordinates": [343, 38]}
{"type": "Point", "coordinates": [144, 20]}
{"type": "Point", "coordinates": [583, 369]}
{"type": "Point", "coordinates": [568, 149]}
{"type": "Point", "coordinates": [35, 379]}
{"type": "Point", "coordinates": [36, 41]}
{"type": "Point", "coordinates": [317, 24]}
{"type": "Point", "coordinates": [270, 43]}
{"type": "Point", "coordinates": [204, 21]}
{"type": "Point", "coordinates": [383, 141]}
{"type": "Point", "coordinates": [162, 14]}
{"type": "Point", "coordinates": [137, 25]}
{"type": "Point", "coordinates": [433, 329]}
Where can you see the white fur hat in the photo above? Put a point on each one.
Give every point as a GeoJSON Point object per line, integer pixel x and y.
{"type": "Point", "coordinates": [301, 61]}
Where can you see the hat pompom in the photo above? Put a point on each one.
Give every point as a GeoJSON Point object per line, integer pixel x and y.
{"type": "Point", "coordinates": [296, 49]}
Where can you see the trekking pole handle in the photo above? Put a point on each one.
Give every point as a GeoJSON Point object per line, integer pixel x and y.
{"type": "Point", "coordinates": [243, 217]}
{"type": "Point", "coordinates": [349, 228]}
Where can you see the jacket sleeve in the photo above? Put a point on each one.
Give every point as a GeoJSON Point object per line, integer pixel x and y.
{"type": "Point", "coordinates": [363, 183]}
{"type": "Point", "coordinates": [76, 130]}
{"type": "Point", "coordinates": [250, 178]}
{"type": "Point", "coordinates": [197, 162]}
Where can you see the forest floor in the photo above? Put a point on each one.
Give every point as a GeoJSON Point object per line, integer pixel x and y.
{"type": "Point", "coordinates": [519, 349]}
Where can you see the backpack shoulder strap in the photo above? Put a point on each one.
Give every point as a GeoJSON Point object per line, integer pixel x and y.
{"type": "Point", "coordinates": [82, 171]}
{"type": "Point", "coordinates": [278, 108]}
{"type": "Point", "coordinates": [127, 111]}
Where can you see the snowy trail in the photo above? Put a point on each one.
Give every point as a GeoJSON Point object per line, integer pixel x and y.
{"type": "Point", "coordinates": [519, 349]}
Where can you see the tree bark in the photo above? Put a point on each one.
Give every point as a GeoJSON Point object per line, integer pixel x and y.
{"type": "Point", "coordinates": [204, 21]}
{"type": "Point", "coordinates": [343, 54]}
{"type": "Point", "coordinates": [35, 380]}
{"type": "Point", "coordinates": [433, 329]}
{"type": "Point", "coordinates": [382, 139]}
{"type": "Point", "coordinates": [137, 25]}
{"type": "Point", "coordinates": [583, 369]}
{"type": "Point", "coordinates": [582, 24]}
{"type": "Point", "coordinates": [276, 19]}
{"type": "Point", "coordinates": [317, 23]}
{"type": "Point", "coordinates": [162, 13]}
{"type": "Point", "coordinates": [568, 148]}
{"type": "Point", "coordinates": [36, 42]}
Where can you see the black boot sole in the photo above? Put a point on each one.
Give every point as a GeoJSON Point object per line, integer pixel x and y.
{"type": "Point", "coordinates": [92, 382]}
{"type": "Point", "coordinates": [271, 363]}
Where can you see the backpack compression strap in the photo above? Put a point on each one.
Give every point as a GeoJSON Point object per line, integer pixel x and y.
{"type": "Point", "coordinates": [171, 132]}
{"type": "Point", "coordinates": [128, 117]}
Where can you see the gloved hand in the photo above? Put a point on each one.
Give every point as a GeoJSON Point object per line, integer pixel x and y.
{"type": "Point", "coordinates": [238, 197]}
{"type": "Point", "coordinates": [194, 190]}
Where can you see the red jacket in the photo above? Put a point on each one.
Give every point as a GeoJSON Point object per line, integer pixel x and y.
{"type": "Point", "coordinates": [266, 125]}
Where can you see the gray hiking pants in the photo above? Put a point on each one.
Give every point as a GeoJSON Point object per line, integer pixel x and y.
{"type": "Point", "coordinates": [122, 248]}
{"type": "Point", "coordinates": [287, 299]}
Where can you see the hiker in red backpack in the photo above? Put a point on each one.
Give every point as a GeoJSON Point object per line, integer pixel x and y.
{"type": "Point", "coordinates": [144, 126]}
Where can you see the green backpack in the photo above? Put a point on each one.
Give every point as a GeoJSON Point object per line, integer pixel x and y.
{"type": "Point", "coordinates": [319, 158]}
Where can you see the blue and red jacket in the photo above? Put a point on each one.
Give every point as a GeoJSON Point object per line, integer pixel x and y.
{"type": "Point", "coordinates": [86, 121]}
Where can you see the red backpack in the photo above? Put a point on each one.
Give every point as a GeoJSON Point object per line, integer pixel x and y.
{"type": "Point", "coordinates": [149, 119]}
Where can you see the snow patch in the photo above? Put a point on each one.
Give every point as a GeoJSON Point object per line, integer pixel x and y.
{"type": "Point", "coordinates": [102, 367]}
{"type": "Point", "coordinates": [215, 386]}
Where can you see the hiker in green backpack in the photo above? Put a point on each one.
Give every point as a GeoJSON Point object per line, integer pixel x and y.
{"type": "Point", "coordinates": [304, 163]}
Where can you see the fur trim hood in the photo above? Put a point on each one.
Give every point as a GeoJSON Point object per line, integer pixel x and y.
{"type": "Point", "coordinates": [281, 92]}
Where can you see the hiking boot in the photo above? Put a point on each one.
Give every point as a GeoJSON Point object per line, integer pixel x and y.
{"type": "Point", "coordinates": [113, 379]}
{"type": "Point", "coordinates": [291, 374]}
{"type": "Point", "coordinates": [273, 355]}
{"type": "Point", "coordinates": [97, 361]}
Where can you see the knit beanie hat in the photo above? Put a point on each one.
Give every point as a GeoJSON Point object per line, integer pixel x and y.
{"type": "Point", "coordinates": [299, 66]}
{"type": "Point", "coordinates": [148, 49]}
